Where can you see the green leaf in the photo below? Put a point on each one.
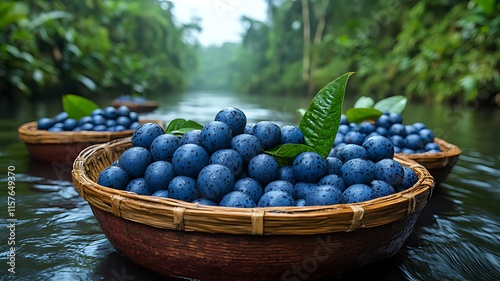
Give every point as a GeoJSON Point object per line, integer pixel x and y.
{"type": "Point", "coordinates": [181, 126]}
{"type": "Point", "coordinates": [364, 102]}
{"type": "Point", "coordinates": [358, 115]}
{"type": "Point", "coordinates": [322, 118]}
{"type": "Point", "coordinates": [285, 153]}
{"type": "Point", "coordinates": [77, 106]}
{"type": "Point", "coordinates": [394, 104]}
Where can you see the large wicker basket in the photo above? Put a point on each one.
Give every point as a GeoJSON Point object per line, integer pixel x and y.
{"type": "Point", "coordinates": [64, 147]}
{"type": "Point", "coordinates": [219, 243]}
{"type": "Point", "coordinates": [439, 164]}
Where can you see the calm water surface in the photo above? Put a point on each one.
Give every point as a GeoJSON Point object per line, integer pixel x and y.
{"type": "Point", "coordinates": [457, 236]}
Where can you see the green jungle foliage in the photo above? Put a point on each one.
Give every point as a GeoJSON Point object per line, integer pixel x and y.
{"type": "Point", "coordinates": [94, 46]}
{"type": "Point", "coordinates": [435, 50]}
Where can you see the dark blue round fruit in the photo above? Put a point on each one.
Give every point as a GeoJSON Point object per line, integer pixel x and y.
{"type": "Point", "coordinates": [124, 121]}
{"type": "Point", "coordinates": [215, 135]}
{"type": "Point", "coordinates": [229, 158]}
{"type": "Point", "coordinates": [378, 148]}
{"type": "Point", "coordinates": [291, 134]}
{"type": "Point", "coordinates": [309, 167]}
{"type": "Point", "coordinates": [234, 118]}
{"type": "Point", "coordinates": [381, 188]}
{"type": "Point", "coordinates": [158, 175]}
{"type": "Point", "coordinates": [354, 137]}
{"type": "Point", "coordinates": [333, 165]}
{"type": "Point", "coordinates": [60, 117]}
{"type": "Point", "coordinates": [249, 186]}
{"type": "Point", "coordinates": [396, 118]}
{"type": "Point", "coordinates": [123, 110]}
{"type": "Point", "coordinates": [189, 159]}
{"type": "Point", "coordinates": [302, 188]}
{"type": "Point", "coordinates": [192, 136]}
{"type": "Point", "coordinates": [98, 120]}
{"type": "Point", "coordinates": [426, 135]}
{"type": "Point", "coordinates": [410, 178]}
{"type": "Point", "coordinates": [263, 168]}
{"type": "Point", "coordinates": [138, 186]}
{"type": "Point", "coordinates": [164, 146]}
{"type": "Point", "coordinates": [145, 134]}
{"type": "Point", "coordinates": [390, 171]}
{"type": "Point", "coordinates": [280, 185]}
{"type": "Point", "coordinates": [397, 129]}
{"type": "Point", "coordinates": [214, 181]}
{"type": "Point", "coordinates": [114, 177]}
{"type": "Point", "coordinates": [276, 198]}
{"type": "Point", "coordinates": [358, 193]}
{"type": "Point", "coordinates": [248, 146]}
{"type": "Point", "coordinates": [183, 188]}
{"type": "Point", "coordinates": [334, 181]}
{"type": "Point", "coordinates": [110, 113]}
{"type": "Point", "coordinates": [383, 121]}
{"type": "Point", "coordinates": [286, 173]}
{"type": "Point", "coordinates": [237, 199]}
{"type": "Point", "coordinates": [357, 171]}
{"type": "Point", "coordinates": [268, 134]}
{"type": "Point", "coordinates": [44, 123]}
{"type": "Point", "coordinates": [204, 201]}
{"type": "Point", "coordinates": [414, 141]}
{"type": "Point", "coordinates": [351, 151]}
{"type": "Point", "coordinates": [161, 193]}
{"type": "Point", "coordinates": [324, 195]}
{"type": "Point", "coordinates": [135, 161]}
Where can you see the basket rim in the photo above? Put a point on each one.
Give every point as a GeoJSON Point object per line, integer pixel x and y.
{"type": "Point", "coordinates": [179, 215]}
{"type": "Point", "coordinates": [28, 133]}
{"type": "Point", "coordinates": [449, 150]}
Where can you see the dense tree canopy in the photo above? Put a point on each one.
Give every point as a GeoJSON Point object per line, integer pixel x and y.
{"type": "Point", "coordinates": [123, 47]}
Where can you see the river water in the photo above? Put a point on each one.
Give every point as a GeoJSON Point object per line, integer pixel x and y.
{"type": "Point", "coordinates": [457, 236]}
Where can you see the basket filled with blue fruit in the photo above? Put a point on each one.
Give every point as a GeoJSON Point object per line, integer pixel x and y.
{"type": "Point", "coordinates": [81, 124]}
{"type": "Point", "coordinates": [138, 104]}
{"type": "Point", "coordinates": [229, 200]}
{"type": "Point", "coordinates": [415, 141]}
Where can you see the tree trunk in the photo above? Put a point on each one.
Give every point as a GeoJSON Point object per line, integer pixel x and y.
{"type": "Point", "coordinates": [307, 41]}
{"type": "Point", "coordinates": [317, 40]}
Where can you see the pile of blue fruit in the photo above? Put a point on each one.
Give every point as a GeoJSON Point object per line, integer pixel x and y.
{"type": "Point", "coordinates": [225, 164]}
{"type": "Point", "coordinates": [131, 99]}
{"type": "Point", "coordinates": [108, 119]}
{"type": "Point", "coordinates": [408, 139]}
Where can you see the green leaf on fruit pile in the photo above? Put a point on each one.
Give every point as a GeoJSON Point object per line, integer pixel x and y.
{"type": "Point", "coordinates": [322, 118]}
{"type": "Point", "coordinates": [181, 126]}
{"type": "Point", "coordinates": [394, 104]}
{"type": "Point", "coordinates": [364, 102]}
{"type": "Point", "coordinates": [358, 115]}
{"type": "Point", "coordinates": [285, 153]}
{"type": "Point", "coordinates": [77, 106]}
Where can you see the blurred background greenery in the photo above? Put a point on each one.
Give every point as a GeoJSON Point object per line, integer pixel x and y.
{"type": "Point", "coordinates": [427, 50]}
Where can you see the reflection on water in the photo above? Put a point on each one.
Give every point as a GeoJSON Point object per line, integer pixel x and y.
{"type": "Point", "coordinates": [457, 236]}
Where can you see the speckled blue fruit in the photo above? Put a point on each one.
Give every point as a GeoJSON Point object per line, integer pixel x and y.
{"type": "Point", "coordinates": [135, 161]}
{"type": "Point", "coordinates": [164, 146]}
{"type": "Point", "coordinates": [333, 165]}
{"type": "Point", "coordinates": [249, 128]}
{"type": "Point", "coordinates": [183, 188]}
{"type": "Point", "coordinates": [378, 148]}
{"type": "Point", "coordinates": [397, 129]}
{"type": "Point", "coordinates": [351, 151]}
{"type": "Point", "coordinates": [237, 199]}
{"type": "Point", "coordinates": [280, 185]}
{"type": "Point", "coordinates": [214, 181]}
{"type": "Point", "coordinates": [192, 136]}
{"type": "Point", "coordinates": [324, 195]}
{"type": "Point", "coordinates": [397, 141]}
{"type": "Point", "coordinates": [229, 158]}
{"type": "Point", "coordinates": [138, 186]}
{"type": "Point", "coordinates": [381, 188]}
{"type": "Point", "coordinates": [410, 178]}
{"type": "Point", "coordinates": [248, 146]}
{"type": "Point", "coordinates": [358, 193]}
{"type": "Point", "coordinates": [161, 193]}
{"type": "Point", "coordinates": [215, 135]}
{"type": "Point", "coordinates": [189, 159]}
{"type": "Point", "coordinates": [145, 134]}
{"type": "Point", "coordinates": [204, 201]}
{"type": "Point", "coordinates": [286, 173]}
{"type": "Point", "coordinates": [291, 134]}
{"type": "Point", "coordinates": [263, 168]}
{"type": "Point", "coordinates": [268, 134]}
{"type": "Point", "coordinates": [44, 123]}
{"type": "Point", "coordinates": [158, 175]}
{"type": "Point", "coordinates": [309, 167]}
{"type": "Point", "coordinates": [234, 118]}
{"type": "Point", "coordinates": [334, 181]}
{"type": "Point", "coordinates": [276, 198]}
{"type": "Point", "coordinates": [357, 171]}
{"type": "Point", "coordinates": [390, 171]}
{"type": "Point", "coordinates": [249, 186]}
{"type": "Point", "coordinates": [114, 177]}
{"type": "Point", "coordinates": [354, 137]}
{"type": "Point", "coordinates": [302, 188]}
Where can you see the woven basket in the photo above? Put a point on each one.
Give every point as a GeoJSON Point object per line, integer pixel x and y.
{"type": "Point", "coordinates": [64, 147]}
{"type": "Point", "coordinates": [219, 243]}
{"type": "Point", "coordinates": [439, 164]}
{"type": "Point", "coordinates": [148, 106]}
